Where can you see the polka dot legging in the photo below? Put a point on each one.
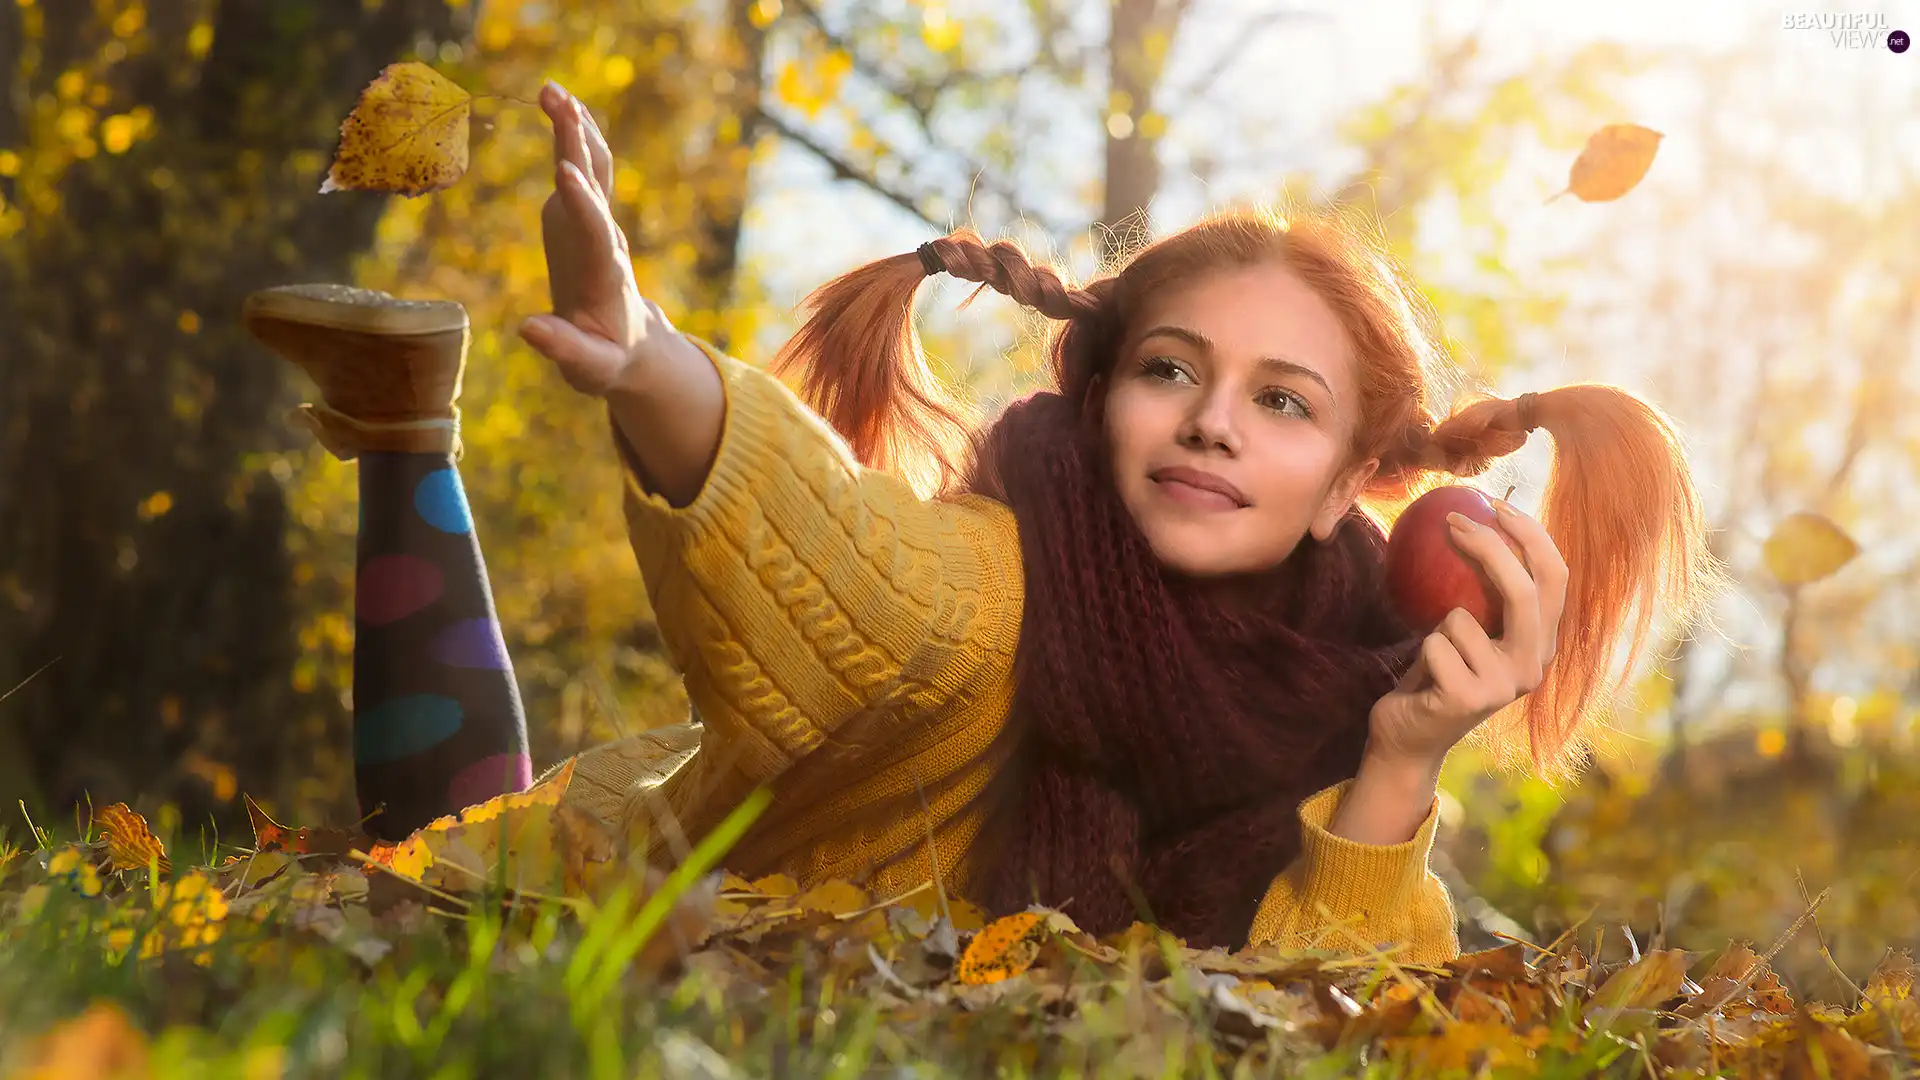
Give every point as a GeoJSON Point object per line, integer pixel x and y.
{"type": "Point", "coordinates": [437, 721]}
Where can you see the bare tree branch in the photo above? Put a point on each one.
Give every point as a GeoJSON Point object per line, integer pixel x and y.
{"type": "Point", "coordinates": [847, 170]}
{"type": "Point", "coordinates": [921, 95]}
{"type": "Point", "coordinates": [1210, 72]}
{"type": "Point", "coordinates": [919, 100]}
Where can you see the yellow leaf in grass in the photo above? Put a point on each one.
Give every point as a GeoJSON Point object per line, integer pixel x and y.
{"type": "Point", "coordinates": [1005, 948]}
{"type": "Point", "coordinates": [512, 834]}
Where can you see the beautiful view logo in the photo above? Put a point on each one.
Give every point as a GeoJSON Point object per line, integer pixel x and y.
{"type": "Point", "coordinates": [1852, 30]}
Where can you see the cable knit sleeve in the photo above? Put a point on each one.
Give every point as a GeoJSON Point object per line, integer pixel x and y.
{"type": "Point", "coordinates": [1342, 895]}
{"type": "Point", "coordinates": [799, 589]}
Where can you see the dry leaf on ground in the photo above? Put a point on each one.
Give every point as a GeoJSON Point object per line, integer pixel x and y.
{"type": "Point", "coordinates": [130, 843]}
{"type": "Point", "coordinates": [1503, 1011]}
{"type": "Point", "coordinates": [1005, 948]}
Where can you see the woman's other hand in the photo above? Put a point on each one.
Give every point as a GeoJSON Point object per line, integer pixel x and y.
{"type": "Point", "coordinates": [1460, 679]}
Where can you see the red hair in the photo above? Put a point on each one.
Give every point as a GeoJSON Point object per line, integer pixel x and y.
{"type": "Point", "coordinates": [1620, 503]}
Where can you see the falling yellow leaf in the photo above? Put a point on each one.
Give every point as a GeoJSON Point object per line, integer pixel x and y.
{"type": "Point", "coordinates": [1005, 948]}
{"type": "Point", "coordinates": [408, 134]}
{"type": "Point", "coordinates": [130, 843]}
{"type": "Point", "coordinates": [1615, 160]}
{"type": "Point", "coordinates": [1805, 548]}
{"type": "Point", "coordinates": [99, 1044]}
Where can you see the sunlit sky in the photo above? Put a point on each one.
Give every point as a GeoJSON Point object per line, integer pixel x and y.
{"type": "Point", "coordinates": [1310, 71]}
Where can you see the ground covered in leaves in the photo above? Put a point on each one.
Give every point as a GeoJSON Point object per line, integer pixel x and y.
{"type": "Point", "coordinates": [314, 952]}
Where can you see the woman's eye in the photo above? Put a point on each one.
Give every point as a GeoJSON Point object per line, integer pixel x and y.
{"type": "Point", "coordinates": [1161, 367]}
{"type": "Point", "coordinates": [1281, 401]}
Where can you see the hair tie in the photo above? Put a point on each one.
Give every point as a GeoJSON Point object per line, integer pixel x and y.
{"type": "Point", "coordinates": [1525, 407]}
{"type": "Point", "coordinates": [930, 260]}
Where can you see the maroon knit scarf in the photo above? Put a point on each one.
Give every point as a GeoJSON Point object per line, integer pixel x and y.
{"type": "Point", "coordinates": [1168, 729]}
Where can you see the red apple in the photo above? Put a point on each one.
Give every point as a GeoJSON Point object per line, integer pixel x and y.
{"type": "Point", "coordinates": [1427, 573]}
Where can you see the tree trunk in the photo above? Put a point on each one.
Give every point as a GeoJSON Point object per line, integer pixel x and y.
{"type": "Point", "coordinates": [139, 544]}
{"type": "Point", "coordinates": [725, 193]}
{"type": "Point", "coordinates": [1139, 40]}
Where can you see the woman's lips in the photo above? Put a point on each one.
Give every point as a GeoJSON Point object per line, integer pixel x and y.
{"type": "Point", "coordinates": [1198, 489]}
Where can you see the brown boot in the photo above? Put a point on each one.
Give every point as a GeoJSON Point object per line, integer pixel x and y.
{"type": "Point", "coordinates": [388, 370]}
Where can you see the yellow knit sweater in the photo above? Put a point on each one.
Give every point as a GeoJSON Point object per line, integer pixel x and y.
{"type": "Point", "coordinates": [851, 646]}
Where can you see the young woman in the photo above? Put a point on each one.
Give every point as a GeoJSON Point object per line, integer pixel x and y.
{"type": "Point", "coordinates": [1125, 651]}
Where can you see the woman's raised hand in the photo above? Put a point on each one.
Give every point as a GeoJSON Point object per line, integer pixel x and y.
{"type": "Point", "coordinates": [602, 332]}
{"type": "Point", "coordinates": [663, 391]}
{"type": "Point", "coordinates": [1462, 676]}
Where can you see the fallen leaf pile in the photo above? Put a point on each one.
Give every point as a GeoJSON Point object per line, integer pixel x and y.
{"type": "Point", "coordinates": [924, 957]}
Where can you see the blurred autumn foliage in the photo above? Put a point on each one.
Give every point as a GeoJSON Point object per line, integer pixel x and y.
{"type": "Point", "coordinates": [175, 565]}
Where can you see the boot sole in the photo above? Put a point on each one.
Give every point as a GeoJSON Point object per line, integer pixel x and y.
{"type": "Point", "coordinates": [343, 307]}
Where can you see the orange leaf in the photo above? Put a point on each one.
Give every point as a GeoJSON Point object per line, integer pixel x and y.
{"type": "Point", "coordinates": [131, 845]}
{"type": "Point", "coordinates": [1614, 161]}
{"type": "Point", "coordinates": [268, 834]}
{"type": "Point", "coordinates": [1005, 948]}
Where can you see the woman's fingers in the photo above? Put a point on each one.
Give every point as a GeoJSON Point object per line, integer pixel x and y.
{"type": "Point", "coordinates": [1416, 676]}
{"type": "Point", "coordinates": [569, 134]}
{"type": "Point", "coordinates": [588, 210]}
{"type": "Point", "coordinates": [1544, 564]}
{"type": "Point", "coordinates": [1483, 657]}
{"type": "Point", "coordinates": [583, 246]}
{"type": "Point", "coordinates": [585, 359]}
{"type": "Point", "coordinates": [1521, 602]}
{"type": "Point", "coordinates": [1451, 676]}
{"type": "Point", "coordinates": [597, 151]}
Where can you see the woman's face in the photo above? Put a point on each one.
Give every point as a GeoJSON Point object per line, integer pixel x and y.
{"type": "Point", "coordinates": [1230, 411]}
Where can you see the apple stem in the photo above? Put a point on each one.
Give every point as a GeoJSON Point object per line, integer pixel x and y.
{"type": "Point", "coordinates": [1508, 497]}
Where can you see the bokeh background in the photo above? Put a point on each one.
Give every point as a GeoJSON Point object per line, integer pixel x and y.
{"type": "Point", "coordinates": [175, 562]}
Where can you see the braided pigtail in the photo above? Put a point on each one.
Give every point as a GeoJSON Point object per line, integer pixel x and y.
{"type": "Point", "coordinates": [862, 367]}
{"type": "Point", "coordinates": [1620, 505]}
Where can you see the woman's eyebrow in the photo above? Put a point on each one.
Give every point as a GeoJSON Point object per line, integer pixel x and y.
{"type": "Point", "coordinates": [1278, 364]}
